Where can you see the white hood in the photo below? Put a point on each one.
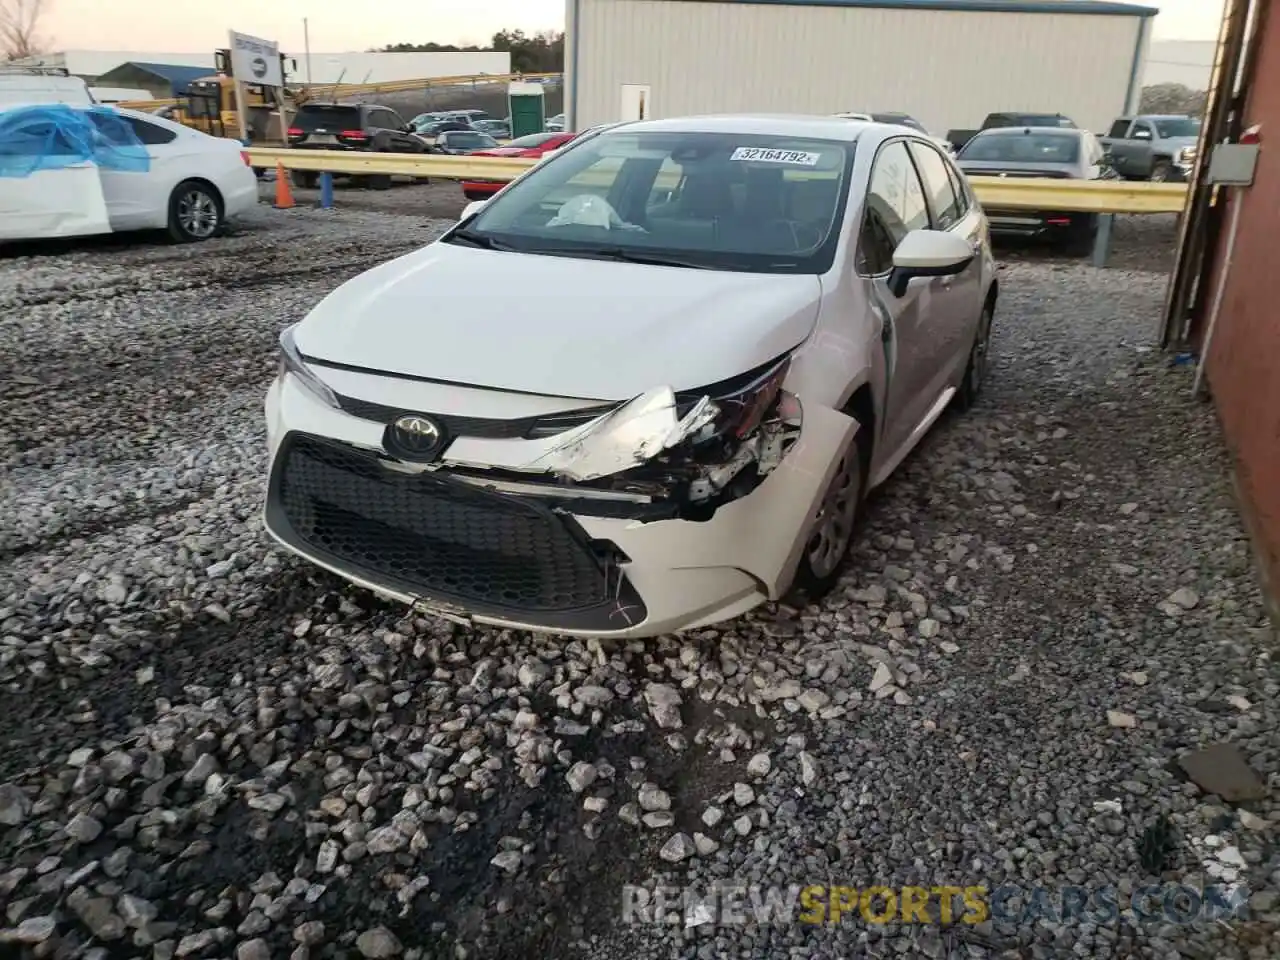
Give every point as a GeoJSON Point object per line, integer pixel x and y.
{"type": "Point", "coordinates": [558, 326]}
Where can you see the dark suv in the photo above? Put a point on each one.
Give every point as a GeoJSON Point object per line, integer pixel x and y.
{"type": "Point", "coordinates": [355, 126]}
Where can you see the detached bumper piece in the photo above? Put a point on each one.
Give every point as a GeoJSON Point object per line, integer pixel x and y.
{"type": "Point", "coordinates": [423, 534]}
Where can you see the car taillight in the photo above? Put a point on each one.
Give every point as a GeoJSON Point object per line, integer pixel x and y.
{"type": "Point", "coordinates": [353, 135]}
{"type": "Point", "coordinates": [295, 131]}
{"type": "Point", "coordinates": [244, 155]}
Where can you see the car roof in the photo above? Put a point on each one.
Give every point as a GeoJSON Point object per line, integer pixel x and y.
{"type": "Point", "coordinates": [1020, 128]}
{"type": "Point", "coordinates": [779, 124]}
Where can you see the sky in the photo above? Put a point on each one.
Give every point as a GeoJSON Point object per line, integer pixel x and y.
{"type": "Point", "coordinates": [194, 26]}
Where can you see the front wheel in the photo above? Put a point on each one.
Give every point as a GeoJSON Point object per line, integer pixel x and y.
{"type": "Point", "coordinates": [1160, 173]}
{"type": "Point", "coordinates": [975, 372]}
{"type": "Point", "coordinates": [832, 531]}
{"type": "Point", "coordinates": [195, 212]}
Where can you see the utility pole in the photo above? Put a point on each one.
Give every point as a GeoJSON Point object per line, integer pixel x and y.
{"type": "Point", "coordinates": [306, 43]}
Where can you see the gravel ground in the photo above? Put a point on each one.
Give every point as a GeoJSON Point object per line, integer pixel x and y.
{"type": "Point", "coordinates": [212, 750]}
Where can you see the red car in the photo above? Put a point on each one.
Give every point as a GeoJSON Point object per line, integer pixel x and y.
{"type": "Point", "coordinates": [532, 146]}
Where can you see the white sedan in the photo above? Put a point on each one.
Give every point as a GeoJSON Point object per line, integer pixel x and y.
{"type": "Point", "coordinates": [192, 185]}
{"type": "Point", "coordinates": [644, 388]}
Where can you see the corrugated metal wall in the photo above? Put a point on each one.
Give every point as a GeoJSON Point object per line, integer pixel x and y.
{"type": "Point", "coordinates": [948, 69]}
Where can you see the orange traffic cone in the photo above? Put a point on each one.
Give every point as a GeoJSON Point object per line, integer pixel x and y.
{"type": "Point", "coordinates": [284, 195]}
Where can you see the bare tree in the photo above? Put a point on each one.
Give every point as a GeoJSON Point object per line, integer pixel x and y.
{"type": "Point", "coordinates": [19, 28]}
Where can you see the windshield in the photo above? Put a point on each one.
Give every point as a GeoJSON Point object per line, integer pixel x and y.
{"type": "Point", "coordinates": [324, 117]}
{"type": "Point", "coordinates": [1177, 127]}
{"type": "Point", "coordinates": [470, 141]}
{"type": "Point", "coordinates": [726, 201]}
{"type": "Point", "coordinates": [1022, 148]}
{"type": "Point", "coordinates": [532, 140]}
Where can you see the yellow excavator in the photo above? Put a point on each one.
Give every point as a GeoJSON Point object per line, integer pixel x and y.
{"type": "Point", "coordinates": [210, 104]}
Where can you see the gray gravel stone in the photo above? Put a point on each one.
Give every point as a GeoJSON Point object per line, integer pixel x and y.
{"type": "Point", "coordinates": [378, 943]}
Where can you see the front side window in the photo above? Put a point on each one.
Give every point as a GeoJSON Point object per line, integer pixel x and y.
{"type": "Point", "coordinates": [942, 195]}
{"type": "Point", "coordinates": [1177, 127]}
{"type": "Point", "coordinates": [727, 201]}
{"type": "Point", "coordinates": [895, 205]}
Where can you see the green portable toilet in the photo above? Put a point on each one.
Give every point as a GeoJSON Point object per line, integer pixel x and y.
{"type": "Point", "coordinates": [528, 110]}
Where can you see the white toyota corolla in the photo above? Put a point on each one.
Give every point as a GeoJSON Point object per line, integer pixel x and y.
{"type": "Point", "coordinates": [646, 386]}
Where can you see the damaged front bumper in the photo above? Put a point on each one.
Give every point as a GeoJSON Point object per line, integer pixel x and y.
{"type": "Point", "coordinates": [665, 513]}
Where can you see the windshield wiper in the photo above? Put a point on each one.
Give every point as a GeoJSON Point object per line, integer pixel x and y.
{"type": "Point", "coordinates": [624, 256]}
{"type": "Point", "coordinates": [479, 240]}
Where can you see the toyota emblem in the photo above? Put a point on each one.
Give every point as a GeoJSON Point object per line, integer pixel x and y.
{"type": "Point", "coordinates": [414, 437]}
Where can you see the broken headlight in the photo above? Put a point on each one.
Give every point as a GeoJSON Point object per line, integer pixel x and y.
{"type": "Point", "coordinates": [292, 363]}
{"type": "Point", "coordinates": [740, 405]}
{"type": "Point", "coordinates": [748, 424]}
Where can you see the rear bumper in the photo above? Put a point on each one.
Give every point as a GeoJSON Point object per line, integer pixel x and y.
{"type": "Point", "coordinates": [1035, 225]}
{"type": "Point", "coordinates": [241, 195]}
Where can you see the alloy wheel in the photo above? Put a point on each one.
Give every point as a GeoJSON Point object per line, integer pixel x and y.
{"type": "Point", "coordinates": [198, 214]}
{"type": "Point", "coordinates": [833, 528]}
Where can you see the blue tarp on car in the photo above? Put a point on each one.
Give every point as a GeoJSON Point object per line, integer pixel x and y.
{"type": "Point", "coordinates": [55, 136]}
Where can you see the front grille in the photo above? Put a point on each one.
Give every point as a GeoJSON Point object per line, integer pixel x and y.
{"type": "Point", "coordinates": [479, 427]}
{"type": "Point", "coordinates": [433, 537]}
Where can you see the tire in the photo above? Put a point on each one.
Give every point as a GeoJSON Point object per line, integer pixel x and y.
{"type": "Point", "coordinates": [834, 529]}
{"type": "Point", "coordinates": [378, 181]}
{"type": "Point", "coordinates": [1160, 171]}
{"type": "Point", "coordinates": [975, 371]}
{"type": "Point", "coordinates": [195, 212]}
{"type": "Point", "coordinates": [1080, 242]}
{"type": "Point", "coordinates": [306, 180]}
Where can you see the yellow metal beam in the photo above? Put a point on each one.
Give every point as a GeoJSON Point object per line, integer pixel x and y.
{"type": "Point", "coordinates": [1085, 196]}
{"type": "Point", "coordinates": [998, 193]}
{"type": "Point", "coordinates": [408, 164]}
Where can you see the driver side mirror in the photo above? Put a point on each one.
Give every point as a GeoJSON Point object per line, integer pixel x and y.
{"type": "Point", "coordinates": [927, 253]}
{"type": "Point", "coordinates": [471, 209]}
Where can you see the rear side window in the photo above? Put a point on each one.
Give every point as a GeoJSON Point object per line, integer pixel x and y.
{"type": "Point", "coordinates": [1119, 129]}
{"type": "Point", "coordinates": [311, 119]}
{"type": "Point", "coordinates": [385, 119]}
{"type": "Point", "coordinates": [942, 195]}
{"type": "Point", "coordinates": [150, 133]}
{"type": "Point", "coordinates": [895, 206]}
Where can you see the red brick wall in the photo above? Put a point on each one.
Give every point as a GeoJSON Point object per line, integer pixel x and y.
{"type": "Point", "coordinates": [1244, 358]}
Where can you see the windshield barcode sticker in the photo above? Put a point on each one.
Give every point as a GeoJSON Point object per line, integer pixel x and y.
{"type": "Point", "coordinates": [765, 155]}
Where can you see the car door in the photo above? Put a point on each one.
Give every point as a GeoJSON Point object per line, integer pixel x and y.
{"type": "Point", "coordinates": [957, 300]}
{"type": "Point", "coordinates": [139, 199]}
{"type": "Point", "coordinates": [390, 124]}
{"type": "Point", "coordinates": [894, 206]}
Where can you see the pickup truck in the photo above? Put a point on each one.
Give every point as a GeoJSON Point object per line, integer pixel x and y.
{"type": "Point", "coordinates": [958, 138]}
{"type": "Point", "coordinates": [1159, 147]}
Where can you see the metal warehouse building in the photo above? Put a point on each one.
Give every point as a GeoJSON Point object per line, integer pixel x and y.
{"type": "Point", "coordinates": [946, 62]}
